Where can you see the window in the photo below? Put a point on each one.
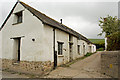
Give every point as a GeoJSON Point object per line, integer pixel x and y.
{"type": "Point", "coordinates": [60, 48]}
{"type": "Point", "coordinates": [18, 17]}
{"type": "Point", "coordinates": [78, 49]}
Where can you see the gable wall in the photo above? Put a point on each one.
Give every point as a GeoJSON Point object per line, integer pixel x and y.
{"type": "Point", "coordinates": [30, 28]}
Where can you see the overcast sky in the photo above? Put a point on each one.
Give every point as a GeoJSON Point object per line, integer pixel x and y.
{"type": "Point", "coordinates": [80, 15]}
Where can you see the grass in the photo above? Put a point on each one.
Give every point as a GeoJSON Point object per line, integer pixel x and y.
{"type": "Point", "coordinates": [97, 40]}
{"type": "Point", "coordinates": [88, 54]}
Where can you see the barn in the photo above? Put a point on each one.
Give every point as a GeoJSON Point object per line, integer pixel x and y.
{"type": "Point", "coordinates": [34, 43]}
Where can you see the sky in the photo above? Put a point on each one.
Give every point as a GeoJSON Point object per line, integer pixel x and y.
{"type": "Point", "coordinates": [81, 15]}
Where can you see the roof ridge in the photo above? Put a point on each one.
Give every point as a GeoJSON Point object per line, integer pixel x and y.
{"type": "Point", "coordinates": [58, 24]}
{"type": "Point", "coordinates": [47, 20]}
{"type": "Point", "coordinates": [46, 15]}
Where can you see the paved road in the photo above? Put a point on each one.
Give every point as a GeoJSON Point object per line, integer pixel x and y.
{"type": "Point", "coordinates": [86, 68]}
{"type": "Point", "coordinates": [6, 74]}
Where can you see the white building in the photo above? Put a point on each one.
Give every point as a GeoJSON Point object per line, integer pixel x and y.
{"type": "Point", "coordinates": [35, 43]}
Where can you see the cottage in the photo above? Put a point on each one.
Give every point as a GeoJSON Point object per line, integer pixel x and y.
{"type": "Point", "coordinates": [35, 43]}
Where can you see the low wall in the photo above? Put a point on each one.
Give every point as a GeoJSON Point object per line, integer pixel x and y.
{"type": "Point", "coordinates": [110, 63]}
{"type": "Point", "coordinates": [32, 67]}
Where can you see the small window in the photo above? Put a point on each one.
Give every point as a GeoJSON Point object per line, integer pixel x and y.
{"type": "Point", "coordinates": [18, 17]}
{"type": "Point", "coordinates": [60, 48]}
{"type": "Point", "coordinates": [79, 49]}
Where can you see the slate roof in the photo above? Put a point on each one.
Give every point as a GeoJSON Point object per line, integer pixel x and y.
{"type": "Point", "coordinates": [49, 21]}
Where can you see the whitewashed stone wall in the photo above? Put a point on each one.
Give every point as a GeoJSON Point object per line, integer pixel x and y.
{"type": "Point", "coordinates": [62, 37]}
{"type": "Point", "coordinates": [30, 51]}
{"type": "Point", "coordinates": [39, 51]}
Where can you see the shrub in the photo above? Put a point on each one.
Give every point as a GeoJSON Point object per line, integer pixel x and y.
{"type": "Point", "coordinates": [88, 54]}
{"type": "Point", "coordinates": [100, 45]}
{"type": "Point", "coordinates": [113, 41]}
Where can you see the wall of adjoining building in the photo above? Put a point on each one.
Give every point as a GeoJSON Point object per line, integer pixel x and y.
{"type": "Point", "coordinates": [110, 63]}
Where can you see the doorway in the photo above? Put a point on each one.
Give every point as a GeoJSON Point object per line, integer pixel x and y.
{"type": "Point", "coordinates": [17, 48]}
{"type": "Point", "coordinates": [84, 49]}
{"type": "Point", "coordinates": [70, 52]}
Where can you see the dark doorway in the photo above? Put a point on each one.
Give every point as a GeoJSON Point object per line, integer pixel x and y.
{"type": "Point", "coordinates": [70, 51]}
{"type": "Point", "coordinates": [19, 39]}
{"type": "Point", "coordinates": [55, 59]}
{"type": "Point", "coordinates": [17, 48]}
{"type": "Point", "coordinates": [84, 49]}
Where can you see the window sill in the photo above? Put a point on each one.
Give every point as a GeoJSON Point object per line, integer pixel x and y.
{"type": "Point", "coordinates": [16, 23]}
{"type": "Point", "coordinates": [60, 56]}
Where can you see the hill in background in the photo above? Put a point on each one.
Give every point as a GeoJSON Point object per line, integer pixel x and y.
{"type": "Point", "coordinates": [97, 40]}
{"type": "Point", "coordinates": [100, 44]}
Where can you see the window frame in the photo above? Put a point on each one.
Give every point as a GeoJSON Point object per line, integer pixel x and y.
{"type": "Point", "coordinates": [60, 48]}
{"type": "Point", "coordinates": [19, 17]}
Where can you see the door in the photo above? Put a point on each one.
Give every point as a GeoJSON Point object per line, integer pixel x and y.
{"type": "Point", "coordinates": [84, 49]}
{"type": "Point", "coordinates": [70, 52]}
{"type": "Point", "coordinates": [90, 50]}
{"type": "Point", "coordinates": [55, 59]}
{"type": "Point", "coordinates": [16, 48]}
{"type": "Point", "coordinates": [18, 56]}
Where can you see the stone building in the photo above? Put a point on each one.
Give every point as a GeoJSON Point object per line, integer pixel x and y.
{"type": "Point", "coordinates": [35, 43]}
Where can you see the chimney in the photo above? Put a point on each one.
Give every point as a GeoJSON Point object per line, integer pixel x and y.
{"type": "Point", "coordinates": [61, 21]}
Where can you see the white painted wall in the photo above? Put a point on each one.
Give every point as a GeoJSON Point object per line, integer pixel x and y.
{"type": "Point", "coordinates": [105, 43]}
{"type": "Point", "coordinates": [94, 48]}
{"type": "Point", "coordinates": [48, 42]}
{"type": "Point", "coordinates": [30, 28]}
{"type": "Point", "coordinates": [0, 44]}
{"type": "Point", "coordinates": [62, 37]}
{"type": "Point", "coordinates": [81, 42]}
{"type": "Point", "coordinates": [42, 48]}
{"type": "Point", "coordinates": [75, 52]}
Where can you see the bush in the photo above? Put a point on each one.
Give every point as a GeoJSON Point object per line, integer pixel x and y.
{"type": "Point", "coordinates": [100, 45]}
{"type": "Point", "coordinates": [100, 49]}
{"type": "Point", "coordinates": [88, 54]}
{"type": "Point", "coordinates": [113, 41]}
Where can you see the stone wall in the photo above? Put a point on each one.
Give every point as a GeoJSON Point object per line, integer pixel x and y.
{"type": "Point", "coordinates": [38, 67]}
{"type": "Point", "coordinates": [110, 63]}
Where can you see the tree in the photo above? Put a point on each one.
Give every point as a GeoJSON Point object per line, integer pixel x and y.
{"type": "Point", "coordinates": [113, 41]}
{"type": "Point", "coordinates": [109, 25]}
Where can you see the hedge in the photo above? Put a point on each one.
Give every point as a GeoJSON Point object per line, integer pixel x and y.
{"type": "Point", "coordinates": [113, 41]}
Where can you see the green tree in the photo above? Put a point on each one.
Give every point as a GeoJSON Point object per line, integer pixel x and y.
{"type": "Point", "coordinates": [109, 25]}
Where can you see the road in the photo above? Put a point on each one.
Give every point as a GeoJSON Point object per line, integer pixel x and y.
{"type": "Point", "coordinates": [86, 68]}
